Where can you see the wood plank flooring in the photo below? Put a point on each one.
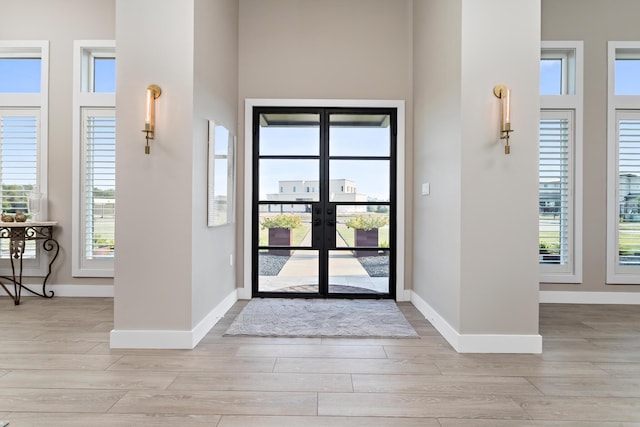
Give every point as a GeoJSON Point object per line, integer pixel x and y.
{"type": "Point", "coordinates": [56, 369]}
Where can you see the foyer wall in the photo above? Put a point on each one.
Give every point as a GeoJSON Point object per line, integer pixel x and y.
{"type": "Point", "coordinates": [330, 49]}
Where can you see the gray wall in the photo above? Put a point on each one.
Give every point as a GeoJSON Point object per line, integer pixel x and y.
{"type": "Point", "coordinates": [437, 151]}
{"type": "Point", "coordinates": [61, 23]}
{"type": "Point", "coordinates": [595, 22]}
{"type": "Point", "coordinates": [475, 258]}
{"type": "Point", "coordinates": [153, 268]}
{"type": "Point", "coordinates": [215, 98]}
{"type": "Point", "coordinates": [169, 262]}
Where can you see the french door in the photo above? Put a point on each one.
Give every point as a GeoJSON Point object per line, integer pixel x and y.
{"type": "Point", "coordinates": [324, 202]}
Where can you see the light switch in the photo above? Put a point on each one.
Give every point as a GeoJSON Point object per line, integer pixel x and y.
{"type": "Point", "coordinates": [426, 189]}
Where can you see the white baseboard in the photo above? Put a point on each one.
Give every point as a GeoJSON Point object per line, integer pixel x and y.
{"type": "Point", "coordinates": [167, 339]}
{"type": "Point", "coordinates": [572, 297]}
{"type": "Point", "coordinates": [244, 293]}
{"type": "Point", "coordinates": [97, 291]}
{"type": "Point", "coordinates": [213, 317]}
{"type": "Point", "coordinates": [477, 343]}
{"type": "Point", "coordinates": [404, 295]}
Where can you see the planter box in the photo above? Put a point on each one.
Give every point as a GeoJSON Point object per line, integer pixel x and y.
{"type": "Point", "coordinates": [551, 259]}
{"type": "Point", "coordinates": [280, 237]}
{"type": "Point", "coordinates": [366, 238]}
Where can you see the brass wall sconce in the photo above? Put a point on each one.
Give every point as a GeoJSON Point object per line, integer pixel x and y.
{"type": "Point", "coordinates": [153, 93]}
{"type": "Point", "coordinates": [504, 93]}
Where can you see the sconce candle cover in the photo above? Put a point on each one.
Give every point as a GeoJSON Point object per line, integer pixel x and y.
{"type": "Point", "coordinates": [153, 93]}
{"type": "Point", "coordinates": [504, 93]}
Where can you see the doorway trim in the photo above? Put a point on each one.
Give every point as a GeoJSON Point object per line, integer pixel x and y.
{"type": "Point", "coordinates": [245, 292]}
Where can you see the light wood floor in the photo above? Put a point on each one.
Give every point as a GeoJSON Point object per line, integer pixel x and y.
{"type": "Point", "coordinates": [56, 369]}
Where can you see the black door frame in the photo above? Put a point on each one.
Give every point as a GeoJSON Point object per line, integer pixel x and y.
{"type": "Point", "coordinates": [324, 211]}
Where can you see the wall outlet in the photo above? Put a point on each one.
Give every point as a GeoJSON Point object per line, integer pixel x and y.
{"type": "Point", "coordinates": [426, 189]}
{"type": "Point", "coordinates": [231, 260]}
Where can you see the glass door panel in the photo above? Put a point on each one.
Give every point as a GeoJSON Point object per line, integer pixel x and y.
{"type": "Point", "coordinates": [359, 180]}
{"type": "Point", "coordinates": [360, 135]}
{"type": "Point", "coordinates": [285, 180]}
{"type": "Point", "coordinates": [289, 134]}
{"type": "Point", "coordinates": [285, 225]}
{"type": "Point", "coordinates": [362, 226]}
{"type": "Point", "coordinates": [288, 271]}
{"type": "Point", "coordinates": [359, 272]}
{"type": "Point", "coordinates": [323, 202]}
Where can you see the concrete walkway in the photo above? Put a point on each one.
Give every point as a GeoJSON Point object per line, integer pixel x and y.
{"type": "Point", "coordinates": [344, 269]}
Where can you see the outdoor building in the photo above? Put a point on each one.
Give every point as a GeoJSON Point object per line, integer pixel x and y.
{"type": "Point", "coordinates": [340, 190]}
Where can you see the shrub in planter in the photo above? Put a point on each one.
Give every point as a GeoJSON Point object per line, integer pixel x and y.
{"type": "Point", "coordinates": [280, 227]}
{"type": "Point", "coordinates": [365, 229]}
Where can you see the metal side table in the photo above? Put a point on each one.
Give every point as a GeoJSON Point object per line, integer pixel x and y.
{"type": "Point", "coordinates": [18, 233]}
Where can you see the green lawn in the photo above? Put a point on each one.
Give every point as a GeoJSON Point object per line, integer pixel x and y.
{"type": "Point", "coordinates": [628, 240]}
{"type": "Point", "coordinates": [629, 237]}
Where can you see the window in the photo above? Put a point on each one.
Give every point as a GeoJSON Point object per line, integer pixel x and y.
{"type": "Point", "coordinates": [560, 163]}
{"type": "Point", "coordinates": [556, 140]}
{"type": "Point", "coordinates": [623, 183]}
{"type": "Point", "coordinates": [94, 195]}
{"type": "Point", "coordinates": [558, 69]}
{"type": "Point", "coordinates": [23, 142]}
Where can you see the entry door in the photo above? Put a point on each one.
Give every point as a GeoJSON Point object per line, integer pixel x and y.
{"type": "Point", "coordinates": [324, 202]}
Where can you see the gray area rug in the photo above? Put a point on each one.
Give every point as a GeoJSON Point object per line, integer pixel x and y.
{"type": "Point", "coordinates": [297, 317]}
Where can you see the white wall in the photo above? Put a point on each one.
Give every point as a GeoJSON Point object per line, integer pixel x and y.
{"type": "Point", "coordinates": [475, 244]}
{"type": "Point", "coordinates": [61, 22]}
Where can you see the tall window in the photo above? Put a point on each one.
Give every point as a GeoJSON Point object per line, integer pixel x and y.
{"type": "Point", "coordinates": [23, 142]}
{"type": "Point", "coordinates": [560, 163]}
{"type": "Point", "coordinates": [94, 195]}
{"type": "Point", "coordinates": [623, 187]}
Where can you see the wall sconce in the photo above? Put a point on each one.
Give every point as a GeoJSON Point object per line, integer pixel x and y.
{"type": "Point", "coordinates": [153, 93]}
{"type": "Point", "coordinates": [504, 93]}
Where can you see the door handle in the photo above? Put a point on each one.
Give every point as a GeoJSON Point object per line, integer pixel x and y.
{"type": "Point", "coordinates": [331, 222]}
{"type": "Point", "coordinates": [317, 221]}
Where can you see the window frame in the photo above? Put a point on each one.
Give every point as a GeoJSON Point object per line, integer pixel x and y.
{"type": "Point", "coordinates": [38, 266]}
{"type": "Point", "coordinates": [570, 103]}
{"type": "Point", "coordinates": [84, 51]}
{"type": "Point", "coordinates": [617, 104]}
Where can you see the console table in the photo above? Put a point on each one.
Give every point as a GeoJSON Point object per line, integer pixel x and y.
{"type": "Point", "coordinates": [18, 233]}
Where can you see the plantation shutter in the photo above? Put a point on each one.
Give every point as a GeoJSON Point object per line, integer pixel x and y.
{"type": "Point", "coordinates": [19, 129]}
{"type": "Point", "coordinates": [554, 185]}
{"type": "Point", "coordinates": [629, 188]}
{"type": "Point", "coordinates": [98, 194]}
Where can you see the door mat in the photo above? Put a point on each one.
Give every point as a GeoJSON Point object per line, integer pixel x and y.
{"type": "Point", "coordinates": [297, 317]}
